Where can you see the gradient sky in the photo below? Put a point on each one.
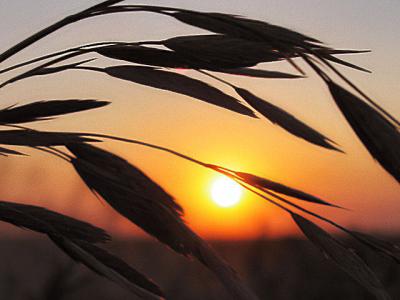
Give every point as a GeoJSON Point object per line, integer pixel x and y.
{"type": "Point", "coordinates": [209, 133]}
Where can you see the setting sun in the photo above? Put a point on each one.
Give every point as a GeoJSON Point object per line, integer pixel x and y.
{"type": "Point", "coordinates": [225, 192]}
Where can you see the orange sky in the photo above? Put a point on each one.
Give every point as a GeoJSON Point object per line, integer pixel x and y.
{"type": "Point", "coordinates": [211, 134]}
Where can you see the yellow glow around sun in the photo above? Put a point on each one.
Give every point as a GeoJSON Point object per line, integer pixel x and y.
{"type": "Point", "coordinates": [225, 192]}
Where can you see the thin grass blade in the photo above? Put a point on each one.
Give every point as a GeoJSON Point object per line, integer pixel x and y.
{"type": "Point", "coordinates": [386, 248]}
{"type": "Point", "coordinates": [144, 55]}
{"type": "Point", "coordinates": [110, 266]}
{"type": "Point", "coordinates": [286, 120]}
{"type": "Point", "coordinates": [33, 138]}
{"type": "Point", "coordinates": [44, 110]}
{"type": "Point", "coordinates": [259, 73]}
{"type": "Point", "coordinates": [53, 70]}
{"type": "Point", "coordinates": [219, 51]}
{"type": "Point", "coordinates": [180, 84]}
{"type": "Point", "coordinates": [344, 63]}
{"type": "Point", "coordinates": [253, 30]}
{"type": "Point", "coordinates": [345, 258]}
{"type": "Point", "coordinates": [6, 152]}
{"type": "Point", "coordinates": [379, 135]}
{"type": "Point", "coordinates": [54, 27]}
{"type": "Point", "coordinates": [263, 183]}
{"type": "Point", "coordinates": [49, 222]}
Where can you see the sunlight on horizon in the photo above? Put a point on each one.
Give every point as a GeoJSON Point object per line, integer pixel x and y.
{"type": "Point", "coordinates": [225, 192]}
{"type": "Point", "coordinates": [209, 133]}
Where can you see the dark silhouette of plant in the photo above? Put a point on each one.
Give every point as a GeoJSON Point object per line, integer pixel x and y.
{"type": "Point", "coordinates": [236, 45]}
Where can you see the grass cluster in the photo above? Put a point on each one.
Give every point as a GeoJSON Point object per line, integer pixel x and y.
{"type": "Point", "coordinates": [236, 45]}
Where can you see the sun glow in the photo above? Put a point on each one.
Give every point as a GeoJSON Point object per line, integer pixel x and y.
{"type": "Point", "coordinates": [225, 192]}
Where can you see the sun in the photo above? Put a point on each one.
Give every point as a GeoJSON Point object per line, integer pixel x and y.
{"type": "Point", "coordinates": [225, 192]}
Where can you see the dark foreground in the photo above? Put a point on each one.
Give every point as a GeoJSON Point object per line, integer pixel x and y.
{"type": "Point", "coordinates": [284, 270]}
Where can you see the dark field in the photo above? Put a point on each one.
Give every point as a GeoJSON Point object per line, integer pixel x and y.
{"type": "Point", "coordinates": [284, 269]}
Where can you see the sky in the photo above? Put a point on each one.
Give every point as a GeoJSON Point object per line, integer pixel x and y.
{"type": "Point", "coordinates": [208, 133]}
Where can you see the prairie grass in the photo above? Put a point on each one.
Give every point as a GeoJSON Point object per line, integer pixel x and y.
{"type": "Point", "coordinates": [236, 45]}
